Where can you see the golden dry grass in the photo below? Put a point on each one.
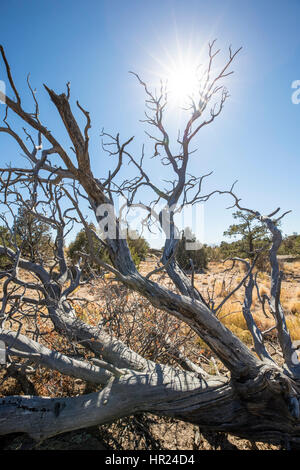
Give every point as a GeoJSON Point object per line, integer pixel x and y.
{"type": "Point", "coordinates": [294, 307]}
{"type": "Point", "coordinates": [293, 324]}
{"type": "Point", "coordinates": [231, 314]}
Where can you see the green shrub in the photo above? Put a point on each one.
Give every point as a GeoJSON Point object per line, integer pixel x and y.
{"type": "Point", "coordinates": [138, 247]}
{"type": "Point", "coordinates": [184, 256]}
{"type": "Point", "coordinates": [33, 236]}
{"type": "Point", "coordinates": [5, 262]}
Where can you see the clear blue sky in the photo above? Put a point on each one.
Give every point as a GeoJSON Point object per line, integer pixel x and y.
{"type": "Point", "coordinates": [93, 44]}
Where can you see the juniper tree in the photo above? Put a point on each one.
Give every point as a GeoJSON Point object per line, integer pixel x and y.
{"type": "Point", "coordinates": [253, 235]}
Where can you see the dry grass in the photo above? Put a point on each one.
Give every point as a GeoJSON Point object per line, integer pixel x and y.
{"type": "Point", "coordinates": [231, 313]}
{"type": "Point", "coordinates": [293, 324]}
{"type": "Point", "coordinates": [237, 324]}
{"type": "Point", "coordinates": [294, 307]}
{"type": "Point", "coordinates": [292, 268]}
{"type": "Point", "coordinates": [263, 291]}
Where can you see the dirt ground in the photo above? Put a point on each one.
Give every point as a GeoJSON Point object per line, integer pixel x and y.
{"type": "Point", "coordinates": [136, 433]}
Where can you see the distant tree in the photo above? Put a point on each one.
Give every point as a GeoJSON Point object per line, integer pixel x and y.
{"type": "Point", "coordinates": [33, 236]}
{"type": "Point", "coordinates": [253, 236]}
{"type": "Point", "coordinates": [184, 256]}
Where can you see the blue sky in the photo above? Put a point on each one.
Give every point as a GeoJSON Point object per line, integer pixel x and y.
{"type": "Point", "coordinates": [93, 44]}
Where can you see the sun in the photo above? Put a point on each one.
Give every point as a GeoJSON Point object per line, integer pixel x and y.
{"type": "Point", "coordinates": [180, 71]}
{"type": "Point", "coordinates": [182, 82]}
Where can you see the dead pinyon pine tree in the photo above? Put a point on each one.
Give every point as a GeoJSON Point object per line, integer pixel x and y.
{"type": "Point", "coordinates": [256, 399]}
